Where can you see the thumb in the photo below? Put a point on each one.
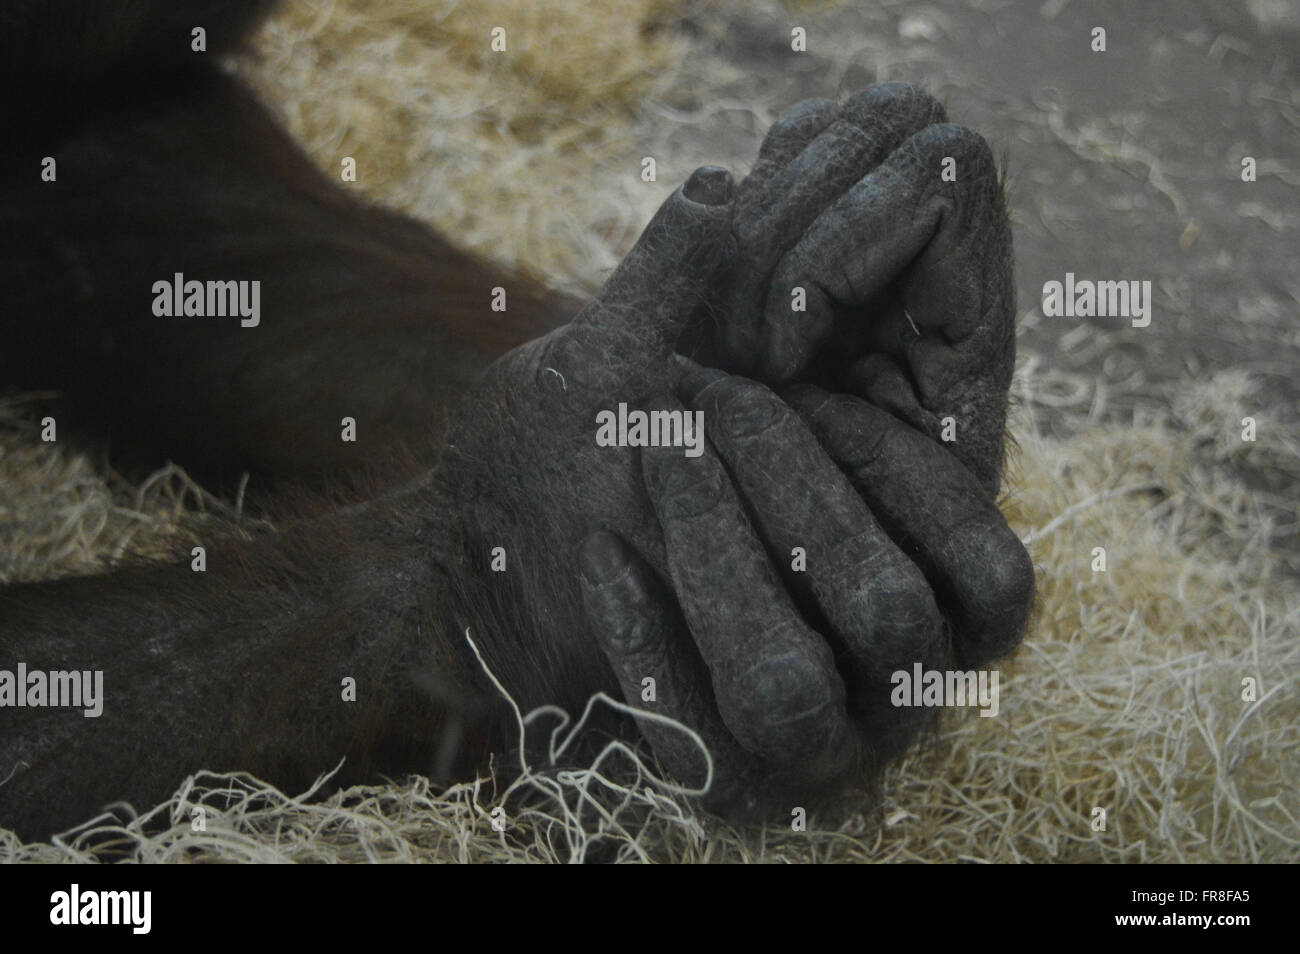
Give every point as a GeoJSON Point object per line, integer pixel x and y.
{"type": "Point", "coordinates": [656, 288]}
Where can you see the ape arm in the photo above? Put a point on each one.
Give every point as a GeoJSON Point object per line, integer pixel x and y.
{"type": "Point", "coordinates": [369, 316]}
{"type": "Point", "coordinates": [73, 49]}
{"type": "Point", "coordinates": [364, 313]}
{"type": "Point", "coordinates": [242, 666]}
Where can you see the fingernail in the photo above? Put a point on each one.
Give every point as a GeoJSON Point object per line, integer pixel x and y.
{"type": "Point", "coordinates": [709, 185]}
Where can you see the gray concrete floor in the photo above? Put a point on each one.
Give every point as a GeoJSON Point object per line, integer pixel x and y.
{"type": "Point", "coordinates": [1123, 165]}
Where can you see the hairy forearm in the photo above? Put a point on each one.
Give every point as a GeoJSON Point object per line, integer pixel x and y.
{"type": "Point", "coordinates": [360, 313]}
{"type": "Point", "coordinates": [243, 666]}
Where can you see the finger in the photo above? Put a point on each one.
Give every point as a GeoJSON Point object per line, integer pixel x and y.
{"type": "Point", "coordinates": [638, 626]}
{"type": "Point", "coordinates": [947, 244]}
{"type": "Point", "coordinates": [876, 599]}
{"type": "Point", "coordinates": [869, 127]}
{"type": "Point", "coordinates": [774, 679]}
{"type": "Point", "coordinates": [639, 313]}
{"type": "Point", "coordinates": [790, 135]}
{"type": "Point", "coordinates": [974, 432]}
{"type": "Point", "coordinates": [879, 605]}
{"type": "Point", "coordinates": [937, 511]}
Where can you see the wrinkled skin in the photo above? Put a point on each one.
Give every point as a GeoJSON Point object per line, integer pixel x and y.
{"type": "Point", "coordinates": [620, 563]}
{"type": "Point", "coordinates": [909, 558]}
{"type": "Point", "coordinates": [911, 302]}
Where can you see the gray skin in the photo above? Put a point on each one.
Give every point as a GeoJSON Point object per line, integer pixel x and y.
{"type": "Point", "coordinates": [908, 275]}
{"type": "Point", "coordinates": [683, 560]}
{"type": "Point", "coordinates": [621, 563]}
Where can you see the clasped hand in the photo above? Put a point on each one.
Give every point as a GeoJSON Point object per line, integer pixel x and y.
{"type": "Point", "coordinates": [833, 532]}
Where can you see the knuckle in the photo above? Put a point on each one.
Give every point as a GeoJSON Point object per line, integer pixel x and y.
{"type": "Point", "coordinates": [631, 634]}
{"type": "Point", "coordinates": [898, 617]}
{"type": "Point", "coordinates": [626, 619]}
{"type": "Point", "coordinates": [898, 104]}
{"type": "Point", "coordinates": [782, 704]}
{"type": "Point", "coordinates": [799, 122]}
{"type": "Point", "coordinates": [862, 435]}
{"type": "Point", "coordinates": [688, 487]}
{"type": "Point", "coordinates": [563, 361]}
{"type": "Point", "coordinates": [806, 399]}
{"type": "Point", "coordinates": [949, 139]}
{"type": "Point", "coordinates": [745, 408]}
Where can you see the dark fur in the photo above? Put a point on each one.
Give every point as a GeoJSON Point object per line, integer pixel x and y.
{"type": "Point", "coordinates": [166, 165]}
